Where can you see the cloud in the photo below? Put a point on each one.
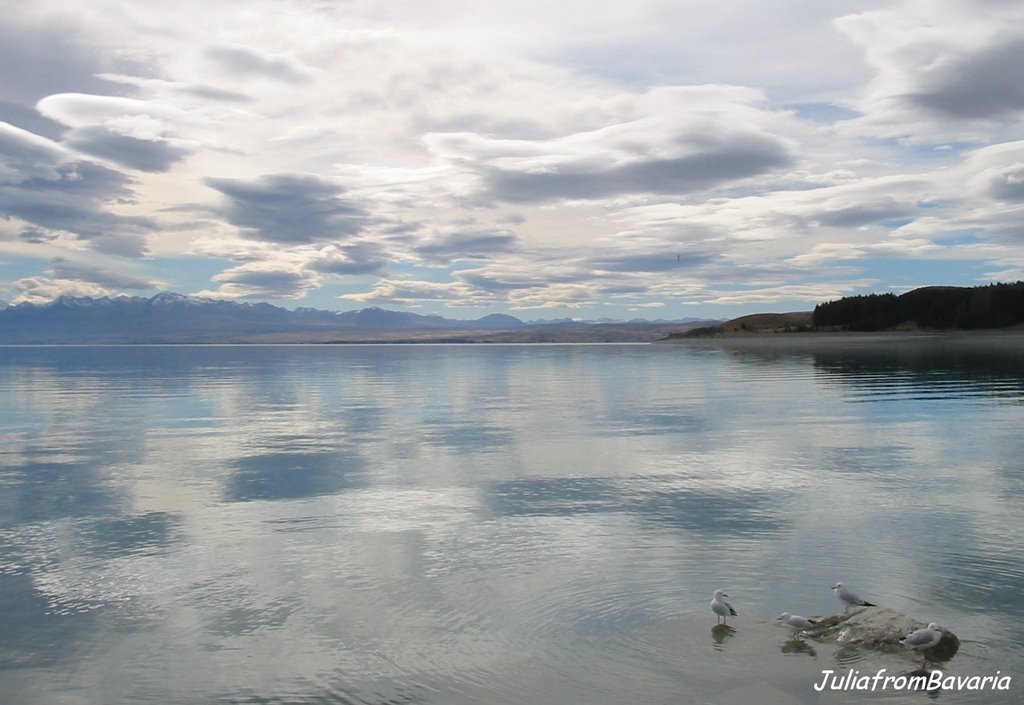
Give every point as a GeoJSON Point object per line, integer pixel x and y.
{"type": "Point", "coordinates": [414, 292]}
{"type": "Point", "coordinates": [982, 84]}
{"type": "Point", "coordinates": [997, 172]}
{"type": "Point", "coordinates": [699, 138]}
{"type": "Point", "coordinates": [136, 117]}
{"type": "Point", "coordinates": [29, 119]}
{"type": "Point", "coordinates": [350, 259]}
{"type": "Point", "coordinates": [75, 202]}
{"type": "Point", "coordinates": [704, 167]}
{"type": "Point", "coordinates": [46, 52]}
{"type": "Point", "coordinates": [466, 291]}
{"type": "Point", "coordinates": [263, 280]}
{"type": "Point", "coordinates": [141, 154]}
{"type": "Point", "coordinates": [944, 69]}
{"type": "Point", "coordinates": [767, 295]}
{"type": "Point", "coordinates": [666, 259]}
{"type": "Point", "coordinates": [781, 222]}
{"type": "Point", "coordinates": [132, 133]}
{"type": "Point", "coordinates": [106, 278]}
{"type": "Point", "coordinates": [44, 185]}
{"type": "Point", "coordinates": [248, 61]}
{"type": "Point", "coordinates": [68, 278]}
{"type": "Point", "coordinates": [289, 208]}
{"type": "Point", "coordinates": [505, 278]}
{"type": "Point", "coordinates": [511, 154]}
{"type": "Point", "coordinates": [215, 94]}
{"type": "Point", "coordinates": [825, 253]}
{"type": "Point", "coordinates": [24, 155]}
{"type": "Point", "coordinates": [38, 290]}
{"type": "Point", "coordinates": [526, 283]}
{"type": "Point", "coordinates": [36, 236]}
{"type": "Point", "coordinates": [445, 248]}
{"type": "Point", "coordinates": [860, 214]}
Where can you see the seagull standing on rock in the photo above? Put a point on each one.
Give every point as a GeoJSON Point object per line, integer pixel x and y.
{"type": "Point", "coordinates": [923, 639]}
{"type": "Point", "coordinates": [722, 608]}
{"type": "Point", "coordinates": [849, 599]}
{"type": "Point", "coordinates": [796, 622]}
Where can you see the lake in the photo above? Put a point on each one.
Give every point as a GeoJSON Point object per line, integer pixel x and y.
{"type": "Point", "coordinates": [523, 524]}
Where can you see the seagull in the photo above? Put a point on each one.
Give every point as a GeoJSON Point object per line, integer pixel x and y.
{"type": "Point", "coordinates": [923, 639]}
{"type": "Point", "coordinates": [849, 599]}
{"type": "Point", "coordinates": [796, 622]}
{"type": "Point", "coordinates": [722, 608]}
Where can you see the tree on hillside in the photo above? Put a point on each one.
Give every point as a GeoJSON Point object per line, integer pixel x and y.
{"type": "Point", "coordinates": [940, 307]}
{"type": "Point", "coordinates": [861, 313]}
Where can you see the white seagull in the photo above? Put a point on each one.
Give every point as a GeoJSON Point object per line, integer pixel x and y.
{"type": "Point", "coordinates": [849, 599]}
{"type": "Point", "coordinates": [722, 608]}
{"type": "Point", "coordinates": [923, 639]}
{"type": "Point", "coordinates": [796, 622]}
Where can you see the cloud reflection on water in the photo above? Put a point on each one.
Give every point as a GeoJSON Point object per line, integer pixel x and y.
{"type": "Point", "coordinates": [705, 512]}
{"type": "Point", "coordinates": [330, 523]}
{"type": "Point", "coordinates": [275, 476]}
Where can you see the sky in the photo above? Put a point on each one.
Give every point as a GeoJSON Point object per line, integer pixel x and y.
{"type": "Point", "coordinates": [650, 159]}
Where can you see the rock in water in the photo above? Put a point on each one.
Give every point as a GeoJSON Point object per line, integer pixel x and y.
{"type": "Point", "coordinates": [881, 629]}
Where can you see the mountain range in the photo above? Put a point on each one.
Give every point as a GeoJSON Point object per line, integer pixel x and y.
{"type": "Point", "coordinates": [176, 318]}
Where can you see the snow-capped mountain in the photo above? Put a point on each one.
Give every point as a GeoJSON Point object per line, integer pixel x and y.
{"type": "Point", "coordinates": [177, 318]}
{"type": "Point", "coordinates": [170, 317]}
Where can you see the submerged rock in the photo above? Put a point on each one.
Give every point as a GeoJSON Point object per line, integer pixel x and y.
{"type": "Point", "coordinates": [881, 629]}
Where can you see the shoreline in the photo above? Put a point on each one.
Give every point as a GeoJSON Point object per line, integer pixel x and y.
{"type": "Point", "coordinates": [1001, 340]}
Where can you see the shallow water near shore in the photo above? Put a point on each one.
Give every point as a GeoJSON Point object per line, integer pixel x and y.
{"type": "Point", "coordinates": [498, 524]}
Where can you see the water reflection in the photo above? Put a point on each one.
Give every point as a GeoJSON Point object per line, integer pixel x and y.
{"type": "Point", "coordinates": [40, 491]}
{"type": "Point", "coordinates": [657, 422]}
{"type": "Point", "coordinates": [122, 537]}
{"type": "Point", "coordinates": [798, 646]}
{"type": "Point", "coordinates": [720, 633]}
{"type": "Point", "coordinates": [726, 512]}
{"type": "Point", "coordinates": [921, 371]}
{"type": "Point", "coordinates": [469, 437]}
{"type": "Point", "coordinates": [489, 524]}
{"type": "Point", "coordinates": [283, 476]}
{"type": "Point", "coordinates": [246, 619]}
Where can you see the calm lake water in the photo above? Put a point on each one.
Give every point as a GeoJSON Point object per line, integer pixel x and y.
{"type": "Point", "coordinates": [496, 524]}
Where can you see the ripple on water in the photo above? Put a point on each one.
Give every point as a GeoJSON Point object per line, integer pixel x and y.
{"type": "Point", "coordinates": [476, 525]}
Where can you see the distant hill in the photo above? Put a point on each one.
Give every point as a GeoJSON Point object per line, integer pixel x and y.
{"type": "Point", "coordinates": [932, 308]}
{"type": "Point", "coordinates": [752, 324]}
{"type": "Point", "coordinates": [176, 318]}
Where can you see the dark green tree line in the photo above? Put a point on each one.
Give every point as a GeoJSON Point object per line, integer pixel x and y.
{"type": "Point", "coordinates": [941, 307]}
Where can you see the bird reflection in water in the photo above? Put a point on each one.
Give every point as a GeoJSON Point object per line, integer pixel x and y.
{"type": "Point", "coordinates": [796, 645]}
{"type": "Point", "coordinates": [721, 632]}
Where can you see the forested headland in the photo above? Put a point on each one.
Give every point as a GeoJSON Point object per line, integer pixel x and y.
{"type": "Point", "coordinates": [934, 307]}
